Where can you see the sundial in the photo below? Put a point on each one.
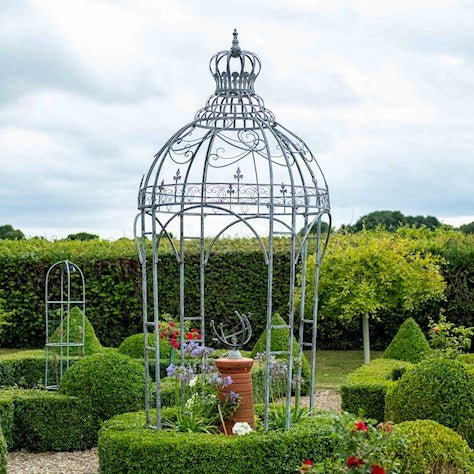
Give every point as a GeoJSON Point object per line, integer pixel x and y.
{"type": "Point", "coordinates": [238, 335]}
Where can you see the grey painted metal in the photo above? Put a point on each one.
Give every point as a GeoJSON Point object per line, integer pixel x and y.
{"type": "Point", "coordinates": [238, 336]}
{"type": "Point", "coordinates": [233, 166]}
{"type": "Point", "coordinates": [60, 299]}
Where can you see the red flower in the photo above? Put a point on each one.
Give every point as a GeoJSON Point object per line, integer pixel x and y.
{"type": "Point", "coordinates": [377, 470]}
{"type": "Point", "coordinates": [174, 343]}
{"type": "Point", "coordinates": [354, 462]}
{"type": "Point", "coordinates": [307, 465]}
{"type": "Point", "coordinates": [194, 330]}
{"type": "Point", "coordinates": [361, 426]}
{"type": "Point", "coordinates": [190, 336]}
{"type": "Point", "coordinates": [198, 337]}
{"type": "Point", "coordinates": [172, 324]}
{"type": "Point", "coordinates": [308, 462]}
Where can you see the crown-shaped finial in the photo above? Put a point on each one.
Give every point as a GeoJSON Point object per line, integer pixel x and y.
{"type": "Point", "coordinates": [235, 70]}
{"type": "Point", "coordinates": [235, 50]}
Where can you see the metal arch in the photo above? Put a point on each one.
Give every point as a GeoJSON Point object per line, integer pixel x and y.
{"type": "Point", "coordinates": [234, 128]}
{"type": "Point", "coordinates": [63, 305]}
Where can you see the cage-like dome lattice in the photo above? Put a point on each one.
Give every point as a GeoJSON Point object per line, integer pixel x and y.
{"type": "Point", "coordinates": [234, 167]}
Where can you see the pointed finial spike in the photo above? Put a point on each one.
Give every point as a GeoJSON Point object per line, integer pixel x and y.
{"type": "Point", "coordinates": [235, 50]}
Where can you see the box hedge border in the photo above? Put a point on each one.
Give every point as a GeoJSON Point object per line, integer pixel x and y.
{"type": "Point", "coordinates": [38, 420]}
{"type": "Point", "coordinates": [3, 454]}
{"type": "Point", "coordinates": [365, 388]}
{"type": "Point", "coordinates": [126, 446]}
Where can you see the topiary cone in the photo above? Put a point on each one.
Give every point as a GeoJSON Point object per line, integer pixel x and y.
{"type": "Point", "coordinates": [409, 344]}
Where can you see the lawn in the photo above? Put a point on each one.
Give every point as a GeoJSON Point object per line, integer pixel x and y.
{"type": "Point", "coordinates": [333, 366]}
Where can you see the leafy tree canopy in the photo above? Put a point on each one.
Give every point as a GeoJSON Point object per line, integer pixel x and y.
{"type": "Point", "coordinates": [467, 228]}
{"type": "Point", "coordinates": [392, 220]}
{"type": "Point", "coordinates": [82, 236]}
{"type": "Point", "coordinates": [8, 232]}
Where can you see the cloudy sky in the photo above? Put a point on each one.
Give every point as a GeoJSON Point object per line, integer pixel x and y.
{"type": "Point", "coordinates": [382, 92]}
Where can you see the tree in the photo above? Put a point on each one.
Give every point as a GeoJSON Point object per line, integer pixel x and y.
{"type": "Point", "coordinates": [82, 236]}
{"type": "Point", "coordinates": [467, 228]}
{"type": "Point", "coordinates": [314, 229]}
{"type": "Point", "coordinates": [392, 220]}
{"type": "Point", "coordinates": [9, 233]}
{"type": "Point", "coordinates": [368, 273]}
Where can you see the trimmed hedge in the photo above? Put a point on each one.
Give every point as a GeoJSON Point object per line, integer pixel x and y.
{"type": "Point", "coordinates": [438, 389]}
{"type": "Point", "coordinates": [126, 446]}
{"type": "Point", "coordinates": [133, 346]}
{"type": "Point", "coordinates": [409, 343]}
{"type": "Point", "coordinates": [3, 454]}
{"type": "Point", "coordinates": [365, 388]}
{"type": "Point", "coordinates": [108, 383]}
{"type": "Point", "coordinates": [22, 369]}
{"type": "Point", "coordinates": [91, 342]}
{"type": "Point", "coordinates": [114, 295]}
{"type": "Point", "coordinates": [433, 448]}
{"type": "Point", "coordinates": [38, 420]}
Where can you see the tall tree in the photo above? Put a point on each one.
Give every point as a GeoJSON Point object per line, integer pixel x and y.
{"type": "Point", "coordinates": [392, 220]}
{"type": "Point", "coordinates": [368, 273]}
{"type": "Point", "coordinates": [9, 233]}
{"type": "Point", "coordinates": [82, 236]}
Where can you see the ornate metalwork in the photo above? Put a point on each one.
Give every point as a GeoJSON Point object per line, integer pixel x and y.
{"type": "Point", "coordinates": [64, 289]}
{"type": "Point", "coordinates": [238, 336]}
{"type": "Point", "coordinates": [233, 166]}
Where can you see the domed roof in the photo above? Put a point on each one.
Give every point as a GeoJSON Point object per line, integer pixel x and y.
{"type": "Point", "coordinates": [234, 157]}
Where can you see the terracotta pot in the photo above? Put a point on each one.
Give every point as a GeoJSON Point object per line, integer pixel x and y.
{"type": "Point", "coordinates": [239, 371]}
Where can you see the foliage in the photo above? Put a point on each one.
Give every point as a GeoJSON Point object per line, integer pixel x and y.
{"type": "Point", "coordinates": [47, 421]}
{"type": "Point", "coordinates": [467, 228]}
{"type": "Point", "coordinates": [364, 390]}
{"type": "Point", "coordinates": [126, 446]}
{"type": "Point", "coordinates": [409, 343]}
{"type": "Point", "coordinates": [279, 342]}
{"type": "Point", "coordinates": [362, 446]}
{"type": "Point", "coordinates": [392, 220]}
{"type": "Point", "coordinates": [374, 273]}
{"type": "Point", "coordinates": [84, 236]}
{"type": "Point", "coordinates": [438, 389]}
{"type": "Point", "coordinates": [9, 233]}
{"type": "Point", "coordinates": [74, 319]}
{"type": "Point", "coordinates": [6, 418]}
{"type": "Point", "coordinates": [114, 304]}
{"type": "Point", "coordinates": [448, 338]}
{"type": "Point", "coordinates": [133, 346]}
{"type": "Point", "coordinates": [433, 448]}
{"type": "Point", "coordinates": [108, 383]}
{"type": "Point", "coordinates": [3, 454]}
{"type": "Point", "coordinates": [277, 416]}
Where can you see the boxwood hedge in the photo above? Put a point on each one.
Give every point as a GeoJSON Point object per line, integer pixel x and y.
{"type": "Point", "coordinates": [365, 388]}
{"type": "Point", "coordinates": [38, 420]}
{"type": "Point", "coordinates": [433, 448]}
{"type": "Point", "coordinates": [3, 454]}
{"type": "Point", "coordinates": [126, 446]}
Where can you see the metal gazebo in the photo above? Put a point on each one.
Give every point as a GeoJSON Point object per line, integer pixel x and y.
{"type": "Point", "coordinates": [234, 166]}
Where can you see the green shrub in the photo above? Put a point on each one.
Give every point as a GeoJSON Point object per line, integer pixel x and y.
{"type": "Point", "coordinates": [365, 388]}
{"type": "Point", "coordinates": [433, 448]}
{"type": "Point", "coordinates": [126, 446]}
{"type": "Point", "coordinates": [91, 342]}
{"type": "Point", "coordinates": [438, 389]}
{"type": "Point", "coordinates": [3, 454]}
{"type": "Point", "coordinates": [409, 343]}
{"type": "Point", "coordinates": [108, 383]}
{"type": "Point", "coordinates": [22, 369]}
{"type": "Point", "coordinates": [280, 343]}
{"type": "Point", "coordinates": [39, 420]}
{"type": "Point", "coordinates": [133, 346]}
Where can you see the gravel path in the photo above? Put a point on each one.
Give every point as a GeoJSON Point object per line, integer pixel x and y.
{"type": "Point", "coordinates": [87, 462]}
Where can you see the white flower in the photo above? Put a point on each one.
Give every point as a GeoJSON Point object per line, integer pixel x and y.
{"type": "Point", "coordinates": [193, 381]}
{"type": "Point", "coordinates": [241, 428]}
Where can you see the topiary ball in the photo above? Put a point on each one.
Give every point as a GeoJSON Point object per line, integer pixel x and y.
{"type": "Point", "coordinates": [133, 346]}
{"type": "Point", "coordinates": [409, 344]}
{"type": "Point", "coordinates": [433, 448]}
{"type": "Point", "coordinates": [438, 389]}
{"type": "Point", "coordinates": [108, 383]}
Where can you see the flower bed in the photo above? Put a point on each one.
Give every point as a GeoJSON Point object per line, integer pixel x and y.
{"type": "Point", "coordinates": [126, 446]}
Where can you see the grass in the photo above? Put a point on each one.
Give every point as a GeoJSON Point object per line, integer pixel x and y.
{"type": "Point", "coordinates": [332, 367]}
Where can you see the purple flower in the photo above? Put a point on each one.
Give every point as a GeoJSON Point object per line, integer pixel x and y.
{"type": "Point", "coordinates": [170, 370]}
{"type": "Point", "coordinates": [195, 349]}
{"type": "Point", "coordinates": [181, 372]}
